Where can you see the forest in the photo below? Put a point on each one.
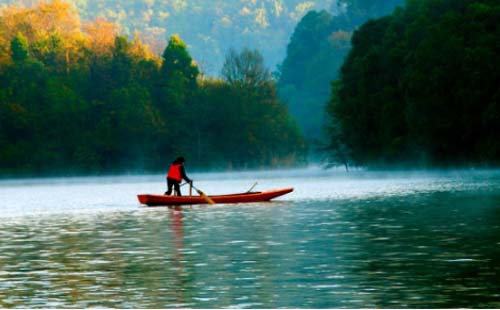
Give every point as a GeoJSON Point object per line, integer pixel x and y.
{"type": "Point", "coordinates": [80, 98]}
{"type": "Point", "coordinates": [420, 87]}
{"type": "Point", "coordinates": [373, 83]}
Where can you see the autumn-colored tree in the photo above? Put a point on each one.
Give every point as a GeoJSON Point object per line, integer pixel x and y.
{"type": "Point", "coordinates": [140, 50]}
{"type": "Point", "coordinates": [101, 34]}
{"type": "Point", "coordinates": [53, 30]}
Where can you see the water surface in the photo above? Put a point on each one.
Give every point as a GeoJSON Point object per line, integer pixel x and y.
{"type": "Point", "coordinates": [340, 240]}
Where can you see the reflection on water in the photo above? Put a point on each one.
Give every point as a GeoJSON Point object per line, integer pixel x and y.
{"type": "Point", "coordinates": [354, 241]}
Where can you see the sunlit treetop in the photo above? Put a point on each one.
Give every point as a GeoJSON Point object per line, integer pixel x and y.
{"type": "Point", "coordinates": [53, 29]}
{"type": "Point", "coordinates": [177, 58]}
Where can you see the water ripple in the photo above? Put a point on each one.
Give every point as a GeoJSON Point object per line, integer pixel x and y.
{"type": "Point", "coordinates": [367, 241]}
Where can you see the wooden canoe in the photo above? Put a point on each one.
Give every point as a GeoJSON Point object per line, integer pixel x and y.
{"type": "Point", "coordinates": [165, 200]}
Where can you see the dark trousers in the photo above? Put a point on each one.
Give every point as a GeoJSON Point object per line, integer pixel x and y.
{"type": "Point", "coordinates": [175, 184]}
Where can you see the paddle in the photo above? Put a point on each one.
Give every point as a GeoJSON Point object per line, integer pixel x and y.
{"type": "Point", "coordinates": [202, 194]}
{"type": "Point", "coordinates": [254, 184]}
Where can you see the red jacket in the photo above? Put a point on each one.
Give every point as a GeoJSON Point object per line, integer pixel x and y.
{"type": "Point", "coordinates": [175, 172]}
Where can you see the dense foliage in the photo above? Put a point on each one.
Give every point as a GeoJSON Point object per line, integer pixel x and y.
{"type": "Point", "coordinates": [210, 28]}
{"type": "Point", "coordinates": [82, 99]}
{"type": "Point", "coordinates": [421, 86]}
{"type": "Point", "coordinates": [315, 54]}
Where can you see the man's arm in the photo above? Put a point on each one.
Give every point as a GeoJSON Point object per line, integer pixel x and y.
{"type": "Point", "coordinates": [184, 176]}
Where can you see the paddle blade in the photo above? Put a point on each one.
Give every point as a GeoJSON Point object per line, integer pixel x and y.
{"type": "Point", "coordinates": [207, 199]}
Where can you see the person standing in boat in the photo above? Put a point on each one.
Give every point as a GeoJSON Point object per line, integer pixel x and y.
{"type": "Point", "coordinates": [175, 175]}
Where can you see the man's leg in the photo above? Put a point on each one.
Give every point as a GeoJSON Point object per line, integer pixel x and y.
{"type": "Point", "coordinates": [169, 187]}
{"type": "Point", "coordinates": [177, 188]}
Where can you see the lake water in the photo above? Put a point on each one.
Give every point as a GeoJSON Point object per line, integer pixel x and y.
{"type": "Point", "coordinates": [340, 240]}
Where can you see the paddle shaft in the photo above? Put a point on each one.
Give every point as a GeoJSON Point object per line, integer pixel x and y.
{"type": "Point", "coordinates": [204, 196]}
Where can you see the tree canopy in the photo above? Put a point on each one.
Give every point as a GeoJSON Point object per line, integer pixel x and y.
{"type": "Point", "coordinates": [421, 86]}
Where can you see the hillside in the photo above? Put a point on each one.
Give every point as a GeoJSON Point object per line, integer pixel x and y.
{"type": "Point", "coordinates": [209, 28]}
{"type": "Point", "coordinates": [315, 54]}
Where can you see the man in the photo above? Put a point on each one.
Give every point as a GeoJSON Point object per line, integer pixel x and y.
{"type": "Point", "coordinates": [175, 175]}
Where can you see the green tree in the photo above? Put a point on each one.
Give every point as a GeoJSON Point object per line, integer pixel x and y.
{"type": "Point", "coordinates": [20, 49]}
{"type": "Point", "coordinates": [178, 74]}
{"type": "Point", "coordinates": [175, 94]}
{"type": "Point", "coordinates": [260, 131]}
{"type": "Point", "coordinates": [178, 64]}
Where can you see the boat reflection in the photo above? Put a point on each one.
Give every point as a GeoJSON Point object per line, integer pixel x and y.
{"type": "Point", "coordinates": [177, 227]}
{"type": "Point", "coordinates": [179, 276]}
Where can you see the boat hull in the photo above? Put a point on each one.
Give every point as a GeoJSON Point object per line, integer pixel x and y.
{"type": "Point", "coordinates": [165, 200]}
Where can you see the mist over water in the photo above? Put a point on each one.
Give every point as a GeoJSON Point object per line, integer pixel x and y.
{"type": "Point", "coordinates": [358, 239]}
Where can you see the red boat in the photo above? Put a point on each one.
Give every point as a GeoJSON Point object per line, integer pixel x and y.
{"type": "Point", "coordinates": [165, 200]}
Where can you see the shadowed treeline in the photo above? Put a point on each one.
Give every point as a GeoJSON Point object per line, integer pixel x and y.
{"type": "Point", "coordinates": [421, 86]}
